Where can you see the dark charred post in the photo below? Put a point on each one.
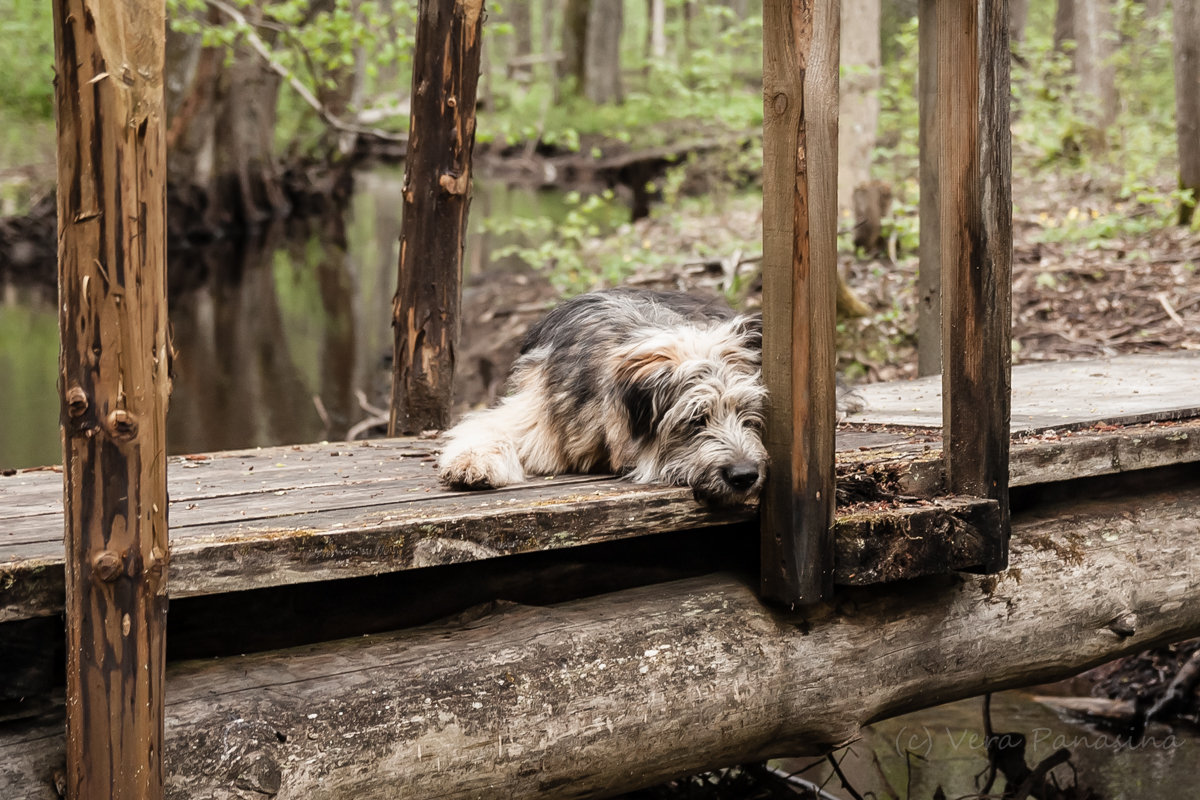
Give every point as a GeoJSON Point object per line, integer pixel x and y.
{"type": "Point", "coordinates": [975, 180]}
{"type": "Point", "coordinates": [800, 82]}
{"type": "Point", "coordinates": [929, 273]}
{"type": "Point", "coordinates": [1187, 101]}
{"type": "Point", "coordinates": [114, 382]}
{"type": "Point", "coordinates": [437, 193]}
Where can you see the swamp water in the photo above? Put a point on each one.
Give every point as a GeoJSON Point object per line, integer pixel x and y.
{"type": "Point", "coordinates": [274, 340]}
{"type": "Point", "coordinates": [910, 756]}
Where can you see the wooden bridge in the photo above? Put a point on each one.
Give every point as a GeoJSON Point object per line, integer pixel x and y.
{"type": "Point", "coordinates": [601, 636]}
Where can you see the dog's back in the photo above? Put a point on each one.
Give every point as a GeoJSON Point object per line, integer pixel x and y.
{"type": "Point", "coordinates": [610, 315]}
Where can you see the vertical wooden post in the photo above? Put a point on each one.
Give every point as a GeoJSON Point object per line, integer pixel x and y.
{"type": "Point", "coordinates": [929, 273]}
{"type": "Point", "coordinates": [1187, 100]}
{"type": "Point", "coordinates": [975, 176]}
{"type": "Point", "coordinates": [114, 384]}
{"type": "Point", "coordinates": [437, 194]}
{"type": "Point", "coordinates": [800, 131]}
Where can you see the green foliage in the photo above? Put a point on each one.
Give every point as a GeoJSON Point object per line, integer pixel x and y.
{"type": "Point", "coordinates": [27, 58]}
{"type": "Point", "coordinates": [322, 45]}
{"type": "Point", "coordinates": [561, 247]}
{"type": "Point", "coordinates": [1052, 124]}
{"type": "Point", "coordinates": [896, 153]}
{"type": "Point", "coordinates": [712, 86]}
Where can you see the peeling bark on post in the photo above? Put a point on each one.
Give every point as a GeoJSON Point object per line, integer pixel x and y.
{"type": "Point", "coordinates": [975, 179]}
{"type": "Point", "coordinates": [800, 131]}
{"type": "Point", "coordinates": [929, 271]}
{"type": "Point", "coordinates": [109, 57]}
{"type": "Point", "coordinates": [437, 194]}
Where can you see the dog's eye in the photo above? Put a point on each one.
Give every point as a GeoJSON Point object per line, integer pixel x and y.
{"type": "Point", "coordinates": [699, 421]}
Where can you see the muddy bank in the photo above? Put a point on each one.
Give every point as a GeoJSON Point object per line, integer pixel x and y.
{"type": "Point", "coordinates": [28, 249]}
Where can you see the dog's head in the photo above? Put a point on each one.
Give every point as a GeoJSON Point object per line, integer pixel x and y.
{"type": "Point", "coordinates": [694, 401]}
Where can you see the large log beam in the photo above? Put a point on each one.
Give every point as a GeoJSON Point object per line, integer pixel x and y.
{"type": "Point", "coordinates": [598, 696]}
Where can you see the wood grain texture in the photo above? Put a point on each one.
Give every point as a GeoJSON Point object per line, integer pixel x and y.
{"type": "Point", "coordinates": [1058, 395]}
{"type": "Point", "coordinates": [285, 515]}
{"type": "Point", "coordinates": [800, 131]}
{"type": "Point", "coordinates": [437, 195]}
{"type": "Point", "coordinates": [109, 57]}
{"type": "Point", "coordinates": [898, 544]}
{"type": "Point", "coordinates": [599, 696]}
{"type": "Point", "coordinates": [929, 271]}
{"type": "Point", "coordinates": [975, 181]}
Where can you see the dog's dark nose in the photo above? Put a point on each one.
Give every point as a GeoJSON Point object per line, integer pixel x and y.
{"type": "Point", "coordinates": [740, 476]}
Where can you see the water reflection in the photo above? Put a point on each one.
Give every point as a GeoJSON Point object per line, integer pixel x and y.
{"type": "Point", "coordinates": [274, 337]}
{"type": "Point", "coordinates": [944, 748]}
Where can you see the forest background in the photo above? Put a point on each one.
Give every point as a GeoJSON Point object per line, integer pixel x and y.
{"type": "Point", "coordinates": [641, 119]}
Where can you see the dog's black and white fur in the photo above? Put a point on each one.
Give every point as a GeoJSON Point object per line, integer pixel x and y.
{"type": "Point", "coordinates": [660, 387]}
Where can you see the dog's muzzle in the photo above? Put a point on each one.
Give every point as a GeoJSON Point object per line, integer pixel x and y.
{"type": "Point", "coordinates": [731, 484]}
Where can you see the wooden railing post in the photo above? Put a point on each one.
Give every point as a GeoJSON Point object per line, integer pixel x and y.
{"type": "Point", "coordinates": [929, 271]}
{"type": "Point", "coordinates": [800, 131]}
{"type": "Point", "coordinates": [975, 179]}
{"type": "Point", "coordinates": [114, 385]}
{"type": "Point", "coordinates": [437, 194]}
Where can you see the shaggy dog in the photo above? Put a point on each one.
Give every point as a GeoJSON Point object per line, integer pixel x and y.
{"type": "Point", "coordinates": [659, 387]}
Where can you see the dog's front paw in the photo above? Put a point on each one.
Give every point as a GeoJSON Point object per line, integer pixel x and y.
{"type": "Point", "coordinates": [488, 468]}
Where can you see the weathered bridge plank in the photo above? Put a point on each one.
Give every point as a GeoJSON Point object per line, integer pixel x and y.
{"type": "Point", "coordinates": [273, 516]}
{"type": "Point", "coordinates": [1059, 395]}
{"type": "Point", "coordinates": [610, 693]}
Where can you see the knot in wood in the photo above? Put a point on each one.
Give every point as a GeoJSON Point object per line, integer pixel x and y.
{"type": "Point", "coordinates": [122, 425]}
{"type": "Point", "coordinates": [452, 101]}
{"type": "Point", "coordinates": [77, 402]}
{"type": "Point", "coordinates": [1124, 625]}
{"type": "Point", "coordinates": [107, 565]}
{"type": "Point", "coordinates": [156, 562]}
{"type": "Point", "coordinates": [454, 184]}
{"type": "Point", "coordinates": [780, 103]}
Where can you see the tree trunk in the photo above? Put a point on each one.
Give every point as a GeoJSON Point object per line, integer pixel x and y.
{"type": "Point", "coordinates": [656, 36]}
{"type": "Point", "coordinates": [437, 194]}
{"type": "Point", "coordinates": [602, 52]}
{"type": "Point", "coordinates": [1018, 13]}
{"type": "Point", "coordinates": [113, 375]}
{"type": "Point", "coordinates": [521, 15]}
{"type": "Point", "coordinates": [1187, 101]}
{"type": "Point", "coordinates": [574, 38]}
{"type": "Point", "coordinates": [859, 113]}
{"type": "Point", "coordinates": [1156, 8]}
{"type": "Point", "coordinates": [1064, 24]}
{"type": "Point", "coordinates": [598, 696]}
{"type": "Point", "coordinates": [245, 181]}
{"type": "Point", "coordinates": [1095, 43]}
{"type": "Point", "coordinates": [222, 132]}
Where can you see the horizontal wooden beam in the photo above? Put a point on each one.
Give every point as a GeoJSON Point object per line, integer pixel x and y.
{"type": "Point", "coordinates": [890, 544]}
{"type": "Point", "coordinates": [598, 696]}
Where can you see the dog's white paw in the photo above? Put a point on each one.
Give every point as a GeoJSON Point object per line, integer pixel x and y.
{"type": "Point", "coordinates": [487, 467]}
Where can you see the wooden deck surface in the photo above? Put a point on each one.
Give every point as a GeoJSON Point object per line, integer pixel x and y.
{"type": "Point", "coordinates": [1059, 395]}
{"type": "Point", "coordinates": [272, 516]}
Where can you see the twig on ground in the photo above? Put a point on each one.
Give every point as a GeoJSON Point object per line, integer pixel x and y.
{"type": "Point", "coordinates": [1161, 297]}
{"type": "Point", "coordinates": [837, 770]}
{"type": "Point", "coordinates": [322, 412]}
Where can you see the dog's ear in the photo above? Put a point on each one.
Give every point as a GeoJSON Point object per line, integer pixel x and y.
{"type": "Point", "coordinates": [643, 378]}
{"type": "Point", "coordinates": [749, 330]}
